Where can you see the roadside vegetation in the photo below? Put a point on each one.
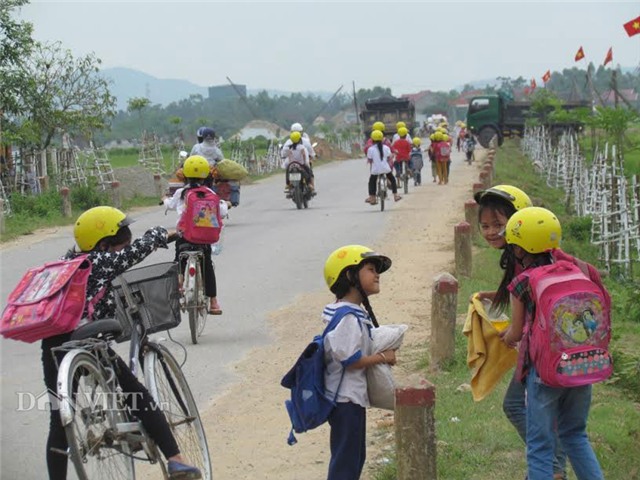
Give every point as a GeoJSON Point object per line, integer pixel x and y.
{"type": "Point", "coordinates": [475, 440]}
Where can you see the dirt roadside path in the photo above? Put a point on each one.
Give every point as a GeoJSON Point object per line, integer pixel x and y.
{"type": "Point", "coordinates": [247, 426]}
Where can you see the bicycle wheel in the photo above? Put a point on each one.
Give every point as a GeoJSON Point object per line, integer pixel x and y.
{"type": "Point", "coordinates": [168, 386]}
{"type": "Point", "coordinates": [405, 179]}
{"type": "Point", "coordinates": [90, 415]}
{"type": "Point", "coordinates": [382, 190]}
{"type": "Point", "coordinates": [198, 310]}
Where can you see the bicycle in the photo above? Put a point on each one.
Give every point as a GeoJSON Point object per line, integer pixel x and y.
{"type": "Point", "coordinates": [405, 175]}
{"type": "Point", "coordinates": [193, 299]}
{"type": "Point", "coordinates": [382, 189]}
{"type": "Point", "coordinates": [103, 435]}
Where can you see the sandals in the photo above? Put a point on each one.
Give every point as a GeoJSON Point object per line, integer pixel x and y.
{"type": "Point", "coordinates": [215, 309]}
{"type": "Point", "coordinates": [397, 198]}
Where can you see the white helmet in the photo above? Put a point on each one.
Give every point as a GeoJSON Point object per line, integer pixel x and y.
{"type": "Point", "coordinates": [296, 127]}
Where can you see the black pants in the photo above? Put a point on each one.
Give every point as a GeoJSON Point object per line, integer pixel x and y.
{"type": "Point", "coordinates": [348, 441]}
{"type": "Point", "coordinates": [210, 286]}
{"type": "Point", "coordinates": [307, 172]}
{"type": "Point", "coordinates": [151, 417]}
{"type": "Point", "coordinates": [373, 184]}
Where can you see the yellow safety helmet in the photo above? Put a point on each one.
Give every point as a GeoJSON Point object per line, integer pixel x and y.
{"type": "Point", "coordinates": [98, 223]}
{"type": "Point", "coordinates": [295, 137]}
{"type": "Point", "coordinates": [432, 137]}
{"type": "Point", "coordinates": [196, 166]}
{"type": "Point", "coordinates": [349, 256]}
{"type": "Point", "coordinates": [511, 194]}
{"type": "Point", "coordinates": [400, 125]}
{"type": "Point", "coordinates": [377, 135]}
{"type": "Point", "coordinates": [463, 125]}
{"type": "Point", "coordinates": [535, 229]}
{"type": "Point", "coordinates": [416, 141]}
{"type": "Point", "coordinates": [402, 131]}
{"type": "Point", "coordinates": [437, 136]}
{"type": "Point", "coordinates": [378, 126]}
{"type": "Point", "coordinates": [445, 137]}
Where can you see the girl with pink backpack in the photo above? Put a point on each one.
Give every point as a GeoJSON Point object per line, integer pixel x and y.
{"type": "Point", "coordinates": [560, 316]}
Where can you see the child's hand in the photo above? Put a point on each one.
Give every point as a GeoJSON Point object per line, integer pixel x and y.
{"type": "Point", "coordinates": [388, 356]}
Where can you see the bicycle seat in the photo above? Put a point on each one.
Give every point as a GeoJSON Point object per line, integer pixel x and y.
{"type": "Point", "coordinates": [190, 247]}
{"type": "Point", "coordinates": [107, 327]}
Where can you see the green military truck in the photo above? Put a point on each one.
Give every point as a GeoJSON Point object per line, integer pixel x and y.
{"type": "Point", "coordinates": [493, 115]}
{"type": "Point", "coordinates": [389, 110]}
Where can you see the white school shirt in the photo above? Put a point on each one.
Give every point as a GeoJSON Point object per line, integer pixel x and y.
{"type": "Point", "coordinates": [209, 150]}
{"type": "Point", "coordinates": [344, 345]}
{"type": "Point", "coordinates": [396, 136]}
{"type": "Point", "coordinates": [379, 165]}
{"type": "Point", "coordinates": [176, 202]}
{"type": "Point", "coordinates": [299, 154]}
{"type": "Point", "coordinates": [305, 141]}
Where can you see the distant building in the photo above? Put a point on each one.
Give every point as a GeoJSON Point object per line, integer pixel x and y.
{"type": "Point", "coordinates": [260, 128]}
{"type": "Point", "coordinates": [220, 92]}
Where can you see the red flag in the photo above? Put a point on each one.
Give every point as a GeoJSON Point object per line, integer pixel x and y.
{"type": "Point", "coordinates": [609, 57]}
{"type": "Point", "coordinates": [547, 76]}
{"type": "Point", "coordinates": [533, 84]}
{"type": "Point", "coordinates": [632, 27]}
{"type": "Point", "coordinates": [579, 54]}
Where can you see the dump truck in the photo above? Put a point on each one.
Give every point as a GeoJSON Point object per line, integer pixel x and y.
{"type": "Point", "coordinates": [494, 115]}
{"type": "Point", "coordinates": [389, 110]}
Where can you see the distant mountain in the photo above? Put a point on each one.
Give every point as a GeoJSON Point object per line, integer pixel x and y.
{"type": "Point", "coordinates": [128, 83]}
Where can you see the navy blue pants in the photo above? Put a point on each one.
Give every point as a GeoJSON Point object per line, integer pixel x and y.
{"type": "Point", "coordinates": [348, 441]}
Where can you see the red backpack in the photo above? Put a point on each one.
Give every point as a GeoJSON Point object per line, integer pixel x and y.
{"type": "Point", "coordinates": [443, 151]}
{"type": "Point", "coordinates": [200, 222]}
{"type": "Point", "coordinates": [569, 337]}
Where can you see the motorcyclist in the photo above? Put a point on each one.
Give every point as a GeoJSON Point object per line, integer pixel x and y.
{"type": "Point", "coordinates": [296, 152]}
{"type": "Point", "coordinates": [306, 141]}
{"type": "Point", "coordinates": [208, 148]}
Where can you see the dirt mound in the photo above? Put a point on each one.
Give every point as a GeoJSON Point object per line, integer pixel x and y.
{"type": "Point", "coordinates": [326, 151]}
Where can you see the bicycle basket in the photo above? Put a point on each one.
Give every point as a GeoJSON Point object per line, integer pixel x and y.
{"type": "Point", "coordinates": [155, 289]}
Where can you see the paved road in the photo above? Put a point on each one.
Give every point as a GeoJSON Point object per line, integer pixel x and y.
{"type": "Point", "coordinates": [272, 253]}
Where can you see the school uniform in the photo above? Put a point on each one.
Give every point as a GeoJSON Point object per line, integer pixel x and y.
{"type": "Point", "coordinates": [343, 346]}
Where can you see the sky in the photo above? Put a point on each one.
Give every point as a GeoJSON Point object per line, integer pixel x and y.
{"type": "Point", "coordinates": [322, 45]}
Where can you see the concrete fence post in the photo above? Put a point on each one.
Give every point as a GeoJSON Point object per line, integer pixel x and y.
{"type": "Point", "coordinates": [487, 169]}
{"type": "Point", "coordinates": [444, 298]}
{"type": "Point", "coordinates": [66, 202]}
{"type": "Point", "coordinates": [484, 179]}
{"type": "Point", "coordinates": [492, 165]}
{"type": "Point", "coordinates": [415, 432]}
{"type": "Point", "coordinates": [462, 241]}
{"type": "Point", "coordinates": [477, 187]}
{"type": "Point", "coordinates": [1, 215]}
{"type": "Point", "coordinates": [157, 183]}
{"type": "Point", "coordinates": [116, 198]}
{"type": "Point", "coordinates": [471, 217]}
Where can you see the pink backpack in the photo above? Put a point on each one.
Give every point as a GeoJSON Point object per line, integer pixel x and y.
{"type": "Point", "coordinates": [48, 300]}
{"type": "Point", "coordinates": [200, 222]}
{"type": "Point", "coordinates": [569, 338]}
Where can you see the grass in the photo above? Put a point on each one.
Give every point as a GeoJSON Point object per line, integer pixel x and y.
{"type": "Point", "coordinates": [475, 440]}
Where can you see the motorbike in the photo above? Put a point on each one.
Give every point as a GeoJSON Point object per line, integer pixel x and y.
{"type": "Point", "coordinates": [299, 191]}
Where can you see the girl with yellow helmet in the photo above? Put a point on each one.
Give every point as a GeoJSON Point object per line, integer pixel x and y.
{"type": "Point", "coordinates": [379, 158]}
{"type": "Point", "coordinates": [380, 126]}
{"type": "Point", "coordinates": [103, 234]}
{"type": "Point", "coordinates": [352, 273]}
{"type": "Point", "coordinates": [292, 152]}
{"type": "Point", "coordinates": [534, 234]}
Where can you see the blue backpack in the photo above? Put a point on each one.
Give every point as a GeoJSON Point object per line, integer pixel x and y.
{"type": "Point", "coordinates": [308, 407]}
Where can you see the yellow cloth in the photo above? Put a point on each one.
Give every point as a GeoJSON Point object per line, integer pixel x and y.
{"type": "Point", "coordinates": [487, 354]}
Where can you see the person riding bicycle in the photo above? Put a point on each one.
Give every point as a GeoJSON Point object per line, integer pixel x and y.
{"type": "Point", "coordinates": [208, 148]}
{"type": "Point", "coordinates": [417, 161]}
{"type": "Point", "coordinates": [295, 152]}
{"type": "Point", "coordinates": [378, 156]}
{"type": "Point", "coordinates": [103, 233]}
{"type": "Point", "coordinates": [197, 173]}
{"type": "Point", "coordinates": [377, 126]}
{"type": "Point", "coordinates": [401, 147]}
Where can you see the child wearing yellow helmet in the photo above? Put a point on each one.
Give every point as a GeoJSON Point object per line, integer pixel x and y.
{"type": "Point", "coordinates": [534, 234]}
{"type": "Point", "coordinates": [417, 161]}
{"type": "Point", "coordinates": [294, 152]}
{"type": "Point", "coordinates": [197, 173]}
{"type": "Point", "coordinates": [381, 128]}
{"type": "Point", "coordinates": [352, 273]}
{"type": "Point", "coordinates": [379, 158]}
{"type": "Point", "coordinates": [103, 234]}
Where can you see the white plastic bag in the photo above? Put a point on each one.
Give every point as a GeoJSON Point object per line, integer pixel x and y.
{"type": "Point", "coordinates": [381, 386]}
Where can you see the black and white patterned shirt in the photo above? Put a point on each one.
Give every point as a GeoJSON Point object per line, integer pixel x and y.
{"type": "Point", "coordinates": [108, 265]}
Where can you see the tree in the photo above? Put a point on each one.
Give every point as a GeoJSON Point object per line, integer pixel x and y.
{"type": "Point", "coordinates": [365, 94]}
{"type": "Point", "coordinates": [64, 94]}
{"type": "Point", "coordinates": [138, 104]}
{"type": "Point", "coordinates": [15, 46]}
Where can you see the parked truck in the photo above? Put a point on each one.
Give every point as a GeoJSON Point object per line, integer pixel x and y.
{"type": "Point", "coordinates": [493, 115]}
{"type": "Point", "coordinates": [389, 110]}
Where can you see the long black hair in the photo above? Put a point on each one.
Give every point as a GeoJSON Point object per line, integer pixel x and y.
{"type": "Point", "coordinates": [349, 278]}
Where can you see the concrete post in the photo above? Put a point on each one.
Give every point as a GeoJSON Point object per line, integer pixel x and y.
{"type": "Point", "coordinates": [1, 215]}
{"type": "Point", "coordinates": [444, 298]}
{"type": "Point", "coordinates": [489, 172]}
{"type": "Point", "coordinates": [477, 187]}
{"type": "Point", "coordinates": [66, 202]}
{"type": "Point", "coordinates": [471, 217]}
{"type": "Point", "coordinates": [157, 182]}
{"type": "Point", "coordinates": [116, 198]}
{"type": "Point", "coordinates": [462, 240]}
{"type": "Point", "coordinates": [415, 432]}
{"type": "Point", "coordinates": [484, 179]}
